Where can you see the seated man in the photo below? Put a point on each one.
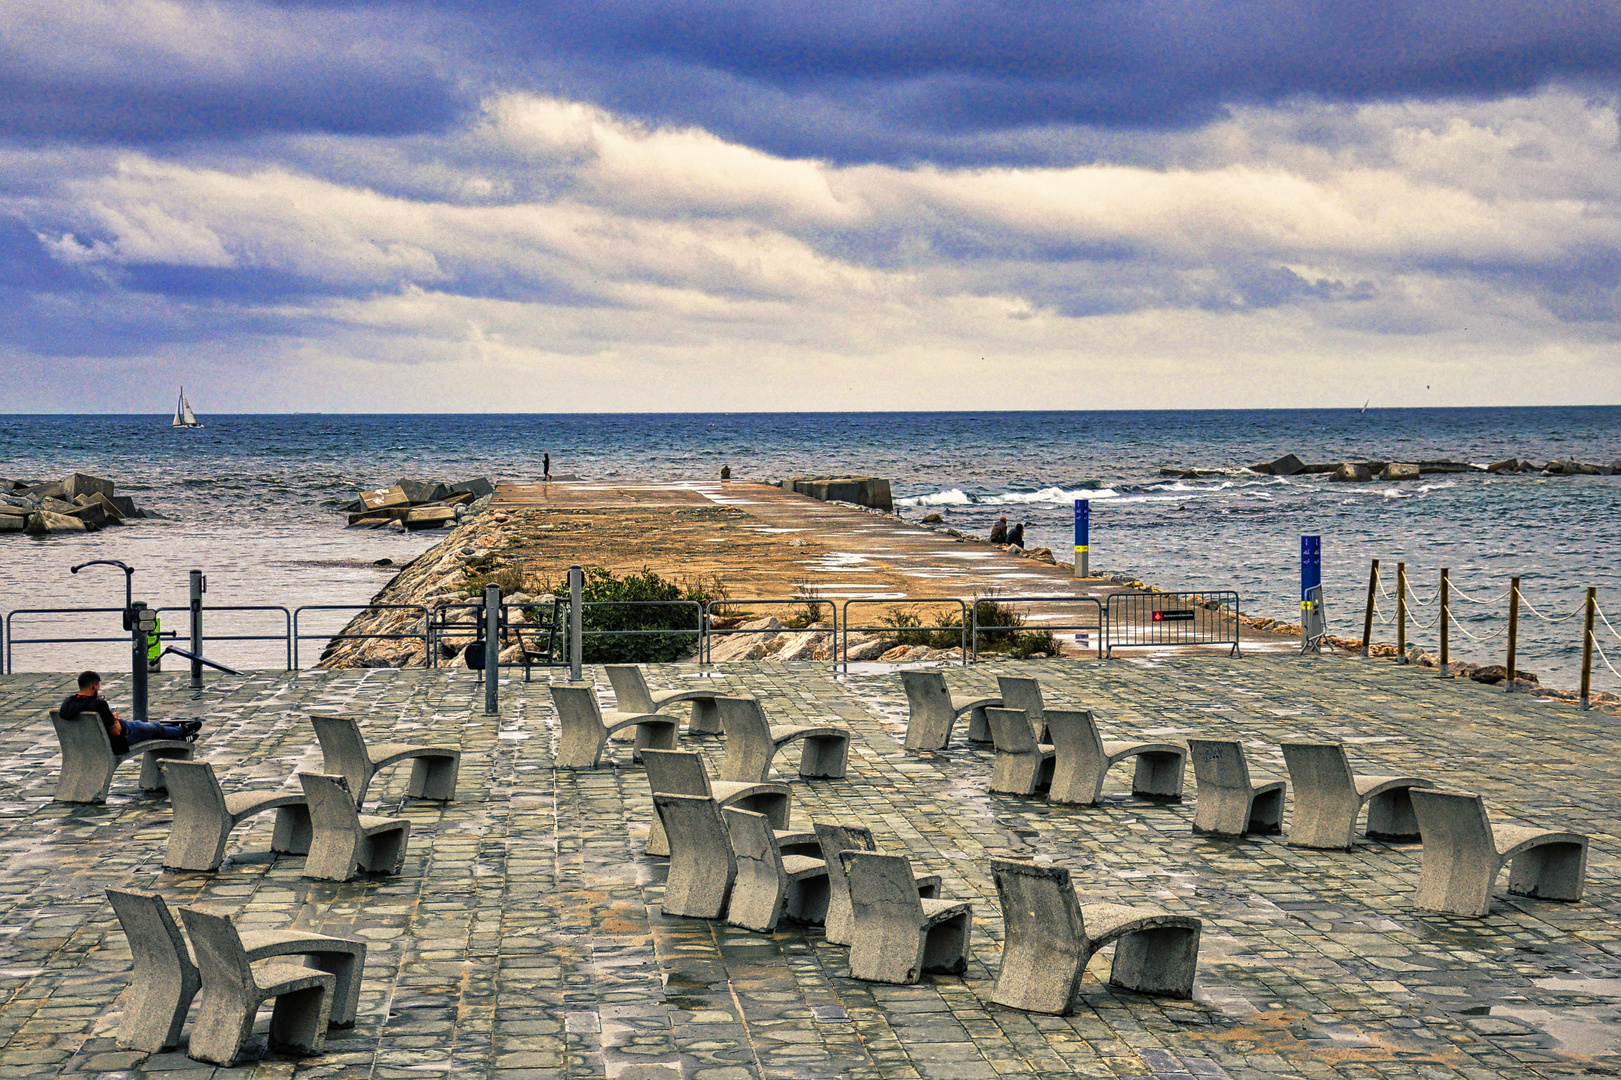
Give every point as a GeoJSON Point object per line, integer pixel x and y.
{"type": "Point", "coordinates": [1015, 536]}
{"type": "Point", "coordinates": [122, 733]}
{"type": "Point", "coordinates": [999, 530]}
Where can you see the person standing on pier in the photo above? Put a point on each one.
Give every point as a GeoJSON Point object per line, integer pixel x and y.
{"type": "Point", "coordinates": [546, 468]}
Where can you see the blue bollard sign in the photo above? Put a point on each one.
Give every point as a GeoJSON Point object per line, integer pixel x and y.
{"type": "Point", "coordinates": [1083, 537]}
{"type": "Point", "coordinates": [1311, 567]}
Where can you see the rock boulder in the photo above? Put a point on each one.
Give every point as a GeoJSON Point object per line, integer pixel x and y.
{"type": "Point", "coordinates": [1350, 472]}
{"type": "Point", "coordinates": [1396, 470]}
{"type": "Point", "coordinates": [45, 521]}
{"type": "Point", "coordinates": [1287, 465]}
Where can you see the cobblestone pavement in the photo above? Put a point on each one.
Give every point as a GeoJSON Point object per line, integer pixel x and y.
{"type": "Point", "coordinates": [524, 937]}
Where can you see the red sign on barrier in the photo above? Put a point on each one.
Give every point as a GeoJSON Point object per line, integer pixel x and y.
{"type": "Point", "coordinates": [1173, 616]}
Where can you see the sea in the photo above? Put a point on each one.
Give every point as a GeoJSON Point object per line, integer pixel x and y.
{"type": "Point", "coordinates": [252, 501]}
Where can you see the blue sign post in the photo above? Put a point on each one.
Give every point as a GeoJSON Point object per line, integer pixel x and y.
{"type": "Point", "coordinates": [1083, 537]}
{"type": "Point", "coordinates": [1311, 567]}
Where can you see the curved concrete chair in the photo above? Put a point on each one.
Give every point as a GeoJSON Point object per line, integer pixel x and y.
{"type": "Point", "coordinates": [344, 842]}
{"type": "Point", "coordinates": [1022, 692]}
{"type": "Point", "coordinates": [1463, 852]}
{"type": "Point", "coordinates": [632, 695]}
{"type": "Point", "coordinates": [1231, 802]}
{"type": "Point", "coordinates": [583, 728]}
{"type": "Point", "coordinates": [839, 924]}
{"type": "Point", "coordinates": [932, 710]}
{"type": "Point", "coordinates": [1023, 766]}
{"type": "Point", "coordinates": [233, 990]}
{"type": "Point", "coordinates": [344, 753]}
{"type": "Point", "coordinates": [204, 816]}
{"type": "Point", "coordinates": [702, 867]}
{"type": "Point", "coordinates": [1050, 937]}
{"type": "Point", "coordinates": [770, 884]}
{"type": "Point", "coordinates": [88, 761]}
{"type": "Point", "coordinates": [898, 935]}
{"type": "Point", "coordinates": [751, 743]}
{"type": "Point", "coordinates": [681, 772]}
{"type": "Point", "coordinates": [166, 979]}
{"type": "Point", "coordinates": [1084, 760]}
{"type": "Point", "coordinates": [1328, 797]}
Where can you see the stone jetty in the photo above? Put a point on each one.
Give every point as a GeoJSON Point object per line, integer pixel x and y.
{"type": "Point", "coordinates": [1390, 470]}
{"type": "Point", "coordinates": [419, 504]}
{"type": "Point", "coordinates": [79, 503]}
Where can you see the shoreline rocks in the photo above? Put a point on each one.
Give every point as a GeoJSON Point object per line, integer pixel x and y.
{"type": "Point", "coordinates": [80, 503]}
{"type": "Point", "coordinates": [420, 504]}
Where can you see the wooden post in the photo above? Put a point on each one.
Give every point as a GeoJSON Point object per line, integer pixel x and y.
{"type": "Point", "coordinates": [1401, 613]}
{"type": "Point", "coordinates": [1367, 619]}
{"type": "Point", "coordinates": [1513, 629]}
{"type": "Point", "coordinates": [1445, 594]}
{"type": "Point", "coordinates": [1587, 649]}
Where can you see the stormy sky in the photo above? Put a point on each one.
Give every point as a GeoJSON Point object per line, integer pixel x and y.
{"type": "Point", "coordinates": [461, 206]}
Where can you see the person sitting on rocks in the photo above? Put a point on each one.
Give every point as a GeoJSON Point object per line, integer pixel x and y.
{"type": "Point", "coordinates": [1015, 536]}
{"type": "Point", "coordinates": [122, 733]}
{"type": "Point", "coordinates": [999, 530]}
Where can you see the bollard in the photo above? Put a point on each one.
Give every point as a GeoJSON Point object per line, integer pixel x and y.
{"type": "Point", "coordinates": [492, 649]}
{"type": "Point", "coordinates": [576, 643]}
{"type": "Point", "coordinates": [1311, 571]}
{"type": "Point", "coordinates": [199, 585]}
{"type": "Point", "coordinates": [1083, 538]}
{"type": "Point", "coordinates": [1587, 649]}
{"type": "Point", "coordinates": [142, 621]}
{"type": "Point", "coordinates": [1401, 613]}
{"type": "Point", "coordinates": [1367, 619]}
{"type": "Point", "coordinates": [1513, 631]}
{"type": "Point", "coordinates": [1445, 595]}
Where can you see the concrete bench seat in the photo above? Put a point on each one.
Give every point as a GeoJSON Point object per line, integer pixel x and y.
{"type": "Point", "coordinates": [751, 743]}
{"type": "Point", "coordinates": [698, 883]}
{"type": "Point", "coordinates": [1084, 759]}
{"type": "Point", "coordinates": [1232, 801]}
{"type": "Point", "coordinates": [769, 884]}
{"type": "Point", "coordinates": [1463, 852]}
{"type": "Point", "coordinates": [1023, 765]}
{"type": "Point", "coordinates": [932, 710]}
{"type": "Point", "coordinates": [833, 839]}
{"type": "Point", "coordinates": [682, 772]}
{"type": "Point", "coordinates": [165, 977]}
{"type": "Point", "coordinates": [1051, 936]}
{"type": "Point", "coordinates": [1023, 692]}
{"type": "Point", "coordinates": [632, 695]}
{"type": "Point", "coordinates": [233, 989]}
{"type": "Point", "coordinates": [1328, 798]}
{"type": "Point", "coordinates": [897, 934]}
{"type": "Point", "coordinates": [344, 753]}
{"type": "Point", "coordinates": [346, 843]}
{"type": "Point", "coordinates": [583, 728]}
{"type": "Point", "coordinates": [88, 761]}
{"type": "Point", "coordinates": [204, 816]}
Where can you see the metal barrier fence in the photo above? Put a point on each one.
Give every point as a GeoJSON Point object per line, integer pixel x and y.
{"type": "Point", "coordinates": [697, 631]}
{"type": "Point", "coordinates": [842, 654]}
{"type": "Point", "coordinates": [1149, 620]}
{"type": "Point", "coordinates": [421, 635]}
{"type": "Point", "coordinates": [441, 627]}
{"type": "Point", "coordinates": [286, 636]}
{"type": "Point", "coordinates": [1097, 626]}
{"type": "Point", "coordinates": [123, 638]}
{"type": "Point", "coordinates": [710, 633]}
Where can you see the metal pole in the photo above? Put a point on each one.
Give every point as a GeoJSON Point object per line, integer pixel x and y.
{"type": "Point", "coordinates": [138, 625]}
{"type": "Point", "coordinates": [576, 643]}
{"type": "Point", "coordinates": [1401, 613]}
{"type": "Point", "coordinates": [1587, 649]}
{"type": "Point", "coordinates": [1445, 595]}
{"type": "Point", "coordinates": [1367, 619]}
{"type": "Point", "coordinates": [199, 585]}
{"type": "Point", "coordinates": [1083, 538]}
{"type": "Point", "coordinates": [492, 649]}
{"type": "Point", "coordinates": [1513, 630]}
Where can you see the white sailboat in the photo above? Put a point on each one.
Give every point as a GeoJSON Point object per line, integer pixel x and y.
{"type": "Point", "coordinates": [183, 416]}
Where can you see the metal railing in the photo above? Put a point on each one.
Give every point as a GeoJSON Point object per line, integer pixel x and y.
{"type": "Point", "coordinates": [696, 632]}
{"type": "Point", "coordinates": [12, 640]}
{"type": "Point", "coordinates": [1166, 619]}
{"type": "Point", "coordinates": [963, 628]}
{"type": "Point", "coordinates": [1097, 627]}
{"type": "Point", "coordinates": [710, 632]}
{"type": "Point", "coordinates": [344, 635]}
{"type": "Point", "coordinates": [442, 627]}
{"type": "Point", "coordinates": [286, 636]}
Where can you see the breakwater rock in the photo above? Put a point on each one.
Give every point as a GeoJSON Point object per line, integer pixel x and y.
{"type": "Point", "coordinates": [871, 492]}
{"type": "Point", "coordinates": [1388, 470]}
{"type": "Point", "coordinates": [420, 504]}
{"type": "Point", "coordinates": [80, 503]}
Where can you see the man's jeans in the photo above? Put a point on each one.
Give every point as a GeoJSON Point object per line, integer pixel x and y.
{"type": "Point", "coordinates": [137, 731]}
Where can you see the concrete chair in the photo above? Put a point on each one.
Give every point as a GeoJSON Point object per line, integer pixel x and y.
{"type": "Point", "coordinates": [702, 867]}
{"type": "Point", "coordinates": [583, 728]}
{"type": "Point", "coordinates": [1050, 937]}
{"type": "Point", "coordinates": [770, 884]}
{"type": "Point", "coordinates": [632, 695]}
{"type": "Point", "coordinates": [1231, 801]}
{"type": "Point", "coordinates": [839, 925]}
{"type": "Point", "coordinates": [1084, 760]}
{"type": "Point", "coordinates": [1023, 766]}
{"type": "Point", "coordinates": [1463, 851]}
{"type": "Point", "coordinates": [233, 990]}
{"type": "Point", "coordinates": [898, 935]}
{"type": "Point", "coordinates": [1022, 692]}
{"type": "Point", "coordinates": [88, 761]}
{"type": "Point", "coordinates": [204, 816]}
{"type": "Point", "coordinates": [681, 772]}
{"type": "Point", "coordinates": [344, 753]}
{"type": "Point", "coordinates": [1328, 797]}
{"type": "Point", "coordinates": [751, 743]}
{"type": "Point", "coordinates": [165, 978]}
{"type": "Point", "coordinates": [346, 843]}
{"type": "Point", "coordinates": [932, 709]}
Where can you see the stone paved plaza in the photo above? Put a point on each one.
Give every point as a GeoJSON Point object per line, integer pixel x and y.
{"type": "Point", "coordinates": [524, 938]}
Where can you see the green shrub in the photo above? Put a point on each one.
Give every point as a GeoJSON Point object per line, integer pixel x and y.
{"type": "Point", "coordinates": [634, 590]}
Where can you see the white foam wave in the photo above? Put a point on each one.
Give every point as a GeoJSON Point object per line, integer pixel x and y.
{"type": "Point", "coordinates": [1053, 496]}
{"type": "Point", "coordinates": [949, 497]}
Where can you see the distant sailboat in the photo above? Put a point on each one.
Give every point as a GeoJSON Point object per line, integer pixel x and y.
{"type": "Point", "coordinates": [183, 416]}
{"type": "Point", "coordinates": [1364, 408]}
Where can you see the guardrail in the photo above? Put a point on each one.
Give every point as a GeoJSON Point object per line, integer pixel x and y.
{"type": "Point", "coordinates": [1097, 627]}
{"type": "Point", "coordinates": [842, 655]}
{"type": "Point", "coordinates": [286, 636]}
{"type": "Point", "coordinates": [1159, 620]}
{"type": "Point", "coordinates": [123, 638]}
{"type": "Point", "coordinates": [440, 627]}
{"type": "Point", "coordinates": [710, 633]}
{"type": "Point", "coordinates": [343, 636]}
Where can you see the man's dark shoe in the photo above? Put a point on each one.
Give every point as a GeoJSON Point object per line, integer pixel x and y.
{"type": "Point", "coordinates": [191, 728]}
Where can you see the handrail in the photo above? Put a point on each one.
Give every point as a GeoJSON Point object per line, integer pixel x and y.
{"type": "Point", "coordinates": [1101, 624]}
{"type": "Point", "coordinates": [842, 655]}
{"type": "Point", "coordinates": [12, 639]}
{"type": "Point", "coordinates": [344, 636]}
{"type": "Point", "coordinates": [285, 636]}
